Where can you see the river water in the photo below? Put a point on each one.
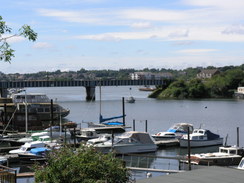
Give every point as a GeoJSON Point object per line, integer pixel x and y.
{"type": "Point", "coordinates": [221, 116]}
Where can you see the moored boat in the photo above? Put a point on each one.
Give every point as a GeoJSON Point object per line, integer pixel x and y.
{"type": "Point", "coordinates": [227, 156]}
{"type": "Point", "coordinates": [201, 138]}
{"type": "Point", "coordinates": [128, 142]}
{"type": "Point", "coordinates": [130, 100]}
{"type": "Point", "coordinates": [174, 132]}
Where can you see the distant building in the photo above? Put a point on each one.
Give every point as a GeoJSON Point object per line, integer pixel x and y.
{"type": "Point", "coordinates": [207, 73]}
{"type": "Point", "coordinates": [239, 93]}
{"type": "Point", "coordinates": [149, 75]}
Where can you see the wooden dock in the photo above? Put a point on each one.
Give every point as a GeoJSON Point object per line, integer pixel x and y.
{"type": "Point", "coordinates": [154, 170]}
{"type": "Point", "coordinates": [167, 143]}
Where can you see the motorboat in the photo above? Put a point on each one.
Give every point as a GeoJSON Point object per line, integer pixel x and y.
{"type": "Point", "coordinates": [33, 107]}
{"type": "Point", "coordinates": [35, 153]}
{"type": "Point", "coordinates": [227, 156]}
{"type": "Point", "coordinates": [86, 134]}
{"type": "Point", "coordinates": [201, 138]}
{"type": "Point", "coordinates": [174, 132]}
{"type": "Point", "coordinates": [53, 132]}
{"type": "Point", "coordinates": [241, 164]}
{"type": "Point", "coordinates": [130, 100]}
{"type": "Point", "coordinates": [128, 142]}
{"type": "Point", "coordinates": [28, 146]}
{"type": "Point", "coordinates": [100, 139]}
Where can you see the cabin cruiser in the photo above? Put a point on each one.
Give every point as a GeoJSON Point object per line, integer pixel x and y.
{"type": "Point", "coordinates": [128, 142]}
{"type": "Point", "coordinates": [86, 134]}
{"type": "Point", "coordinates": [201, 138]}
{"type": "Point", "coordinates": [28, 146]}
{"type": "Point", "coordinates": [227, 156]}
{"type": "Point", "coordinates": [100, 139]}
{"type": "Point", "coordinates": [174, 132]}
{"type": "Point", "coordinates": [40, 104]}
{"type": "Point", "coordinates": [33, 107]}
{"type": "Point", "coordinates": [55, 132]}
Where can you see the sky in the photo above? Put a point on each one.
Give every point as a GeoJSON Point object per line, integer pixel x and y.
{"type": "Point", "coordinates": [120, 34]}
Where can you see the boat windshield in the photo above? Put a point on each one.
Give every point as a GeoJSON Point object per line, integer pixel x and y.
{"type": "Point", "coordinates": [23, 148]}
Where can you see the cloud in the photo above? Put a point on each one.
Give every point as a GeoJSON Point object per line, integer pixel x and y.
{"type": "Point", "coordinates": [196, 51]}
{"type": "Point", "coordinates": [140, 25]}
{"type": "Point", "coordinates": [179, 34]}
{"type": "Point", "coordinates": [42, 45]}
{"type": "Point", "coordinates": [234, 29]}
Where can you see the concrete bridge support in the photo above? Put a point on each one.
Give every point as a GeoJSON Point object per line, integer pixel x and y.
{"type": "Point", "coordinates": [3, 92]}
{"type": "Point", "coordinates": [90, 93]}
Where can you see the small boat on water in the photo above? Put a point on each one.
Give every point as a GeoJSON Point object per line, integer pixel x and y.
{"type": "Point", "coordinates": [174, 132]}
{"type": "Point", "coordinates": [227, 156]}
{"type": "Point", "coordinates": [130, 100]}
{"type": "Point", "coordinates": [128, 142]}
{"type": "Point", "coordinates": [147, 88]}
{"type": "Point", "coordinates": [201, 138]}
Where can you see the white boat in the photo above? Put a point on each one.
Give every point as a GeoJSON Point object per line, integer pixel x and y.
{"type": "Point", "coordinates": [35, 153]}
{"type": "Point", "coordinates": [92, 133]}
{"type": "Point", "coordinates": [176, 131]}
{"type": "Point", "coordinates": [100, 139]}
{"type": "Point", "coordinates": [28, 146]}
{"type": "Point", "coordinates": [201, 138]}
{"type": "Point", "coordinates": [241, 164]}
{"type": "Point", "coordinates": [56, 133]}
{"type": "Point", "coordinates": [227, 156]}
{"type": "Point", "coordinates": [128, 142]}
{"type": "Point", "coordinates": [130, 100]}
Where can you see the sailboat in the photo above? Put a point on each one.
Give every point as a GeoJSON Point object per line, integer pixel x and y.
{"type": "Point", "coordinates": [106, 122]}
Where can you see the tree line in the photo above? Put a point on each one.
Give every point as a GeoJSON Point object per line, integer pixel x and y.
{"type": "Point", "coordinates": [222, 85]}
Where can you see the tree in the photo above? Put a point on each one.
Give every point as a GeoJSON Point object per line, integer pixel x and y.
{"type": "Point", "coordinates": [84, 165]}
{"type": "Point", "coordinates": [6, 53]}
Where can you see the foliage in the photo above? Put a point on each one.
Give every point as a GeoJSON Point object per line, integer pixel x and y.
{"type": "Point", "coordinates": [6, 53]}
{"type": "Point", "coordinates": [219, 86]}
{"type": "Point", "coordinates": [84, 165]}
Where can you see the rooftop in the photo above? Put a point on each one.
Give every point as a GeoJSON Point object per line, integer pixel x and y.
{"type": "Point", "coordinates": [211, 174]}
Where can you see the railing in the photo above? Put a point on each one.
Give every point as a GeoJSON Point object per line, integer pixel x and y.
{"type": "Point", "coordinates": [7, 175]}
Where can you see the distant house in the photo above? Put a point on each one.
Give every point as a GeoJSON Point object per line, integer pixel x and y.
{"type": "Point", "coordinates": [149, 75]}
{"type": "Point", "coordinates": [239, 93]}
{"type": "Point", "coordinates": [207, 73]}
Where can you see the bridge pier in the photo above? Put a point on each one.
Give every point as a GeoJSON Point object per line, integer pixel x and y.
{"type": "Point", "coordinates": [90, 93]}
{"type": "Point", "coordinates": [3, 92]}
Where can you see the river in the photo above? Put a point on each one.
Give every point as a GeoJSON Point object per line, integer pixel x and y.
{"type": "Point", "coordinates": [221, 116]}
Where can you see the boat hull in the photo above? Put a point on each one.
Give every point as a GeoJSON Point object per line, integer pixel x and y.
{"type": "Point", "coordinates": [201, 143]}
{"type": "Point", "coordinates": [219, 161]}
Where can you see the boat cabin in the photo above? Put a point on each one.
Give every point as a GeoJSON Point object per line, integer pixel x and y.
{"type": "Point", "coordinates": [202, 134]}
{"type": "Point", "coordinates": [232, 150]}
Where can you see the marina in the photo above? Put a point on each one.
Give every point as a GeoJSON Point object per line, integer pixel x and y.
{"type": "Point", "coordinates": [144, 116]}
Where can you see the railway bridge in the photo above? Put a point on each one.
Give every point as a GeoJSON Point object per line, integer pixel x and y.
{"type": "Point", "coordinates": [90, 85]}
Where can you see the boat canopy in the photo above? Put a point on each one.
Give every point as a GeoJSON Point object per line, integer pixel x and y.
{"type": "Point", "coordinates": [142, 137]}
{"type": "Point", "coordinates": [211, 135]}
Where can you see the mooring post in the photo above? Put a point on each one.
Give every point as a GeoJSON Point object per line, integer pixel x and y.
{"type": "Point", "coordinates": [189, 148]}
{"type": "Point", "coordinates": [146, 126]}
{"type": "Point", "coordinates": [123, 106]}
{"type": "Point", "coordinates": [134, 125]}
{"type": "Point", "coordinates": [51, 131]}
{"type": "Point", "coordinates": [237, 136]}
